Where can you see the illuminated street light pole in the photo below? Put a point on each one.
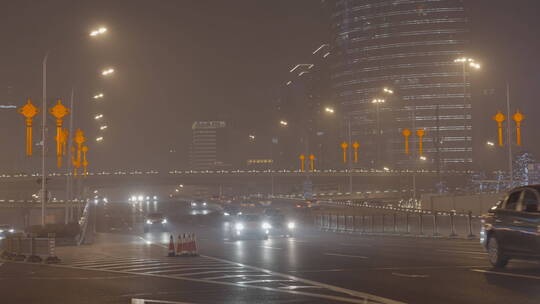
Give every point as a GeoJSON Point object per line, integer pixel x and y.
{"type": "Point", "coordinates": [331, 110]}
{"type": "Point", "coordinates": [98, 32]}
{"type": "Point", "coordinates": [377, 102]}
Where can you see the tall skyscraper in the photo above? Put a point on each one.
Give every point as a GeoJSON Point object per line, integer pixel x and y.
{"type": "Point", "coordinates": [408, 47]}
{"type": "Point", "coordinates": [209, 146]}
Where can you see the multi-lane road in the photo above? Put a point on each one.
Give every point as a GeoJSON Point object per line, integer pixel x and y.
{"type": "Point", "coordinates": [312, 267]}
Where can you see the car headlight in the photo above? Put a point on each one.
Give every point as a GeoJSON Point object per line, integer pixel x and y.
{"type": "Point", "coordinates": [193, 204]}
{"type": "Point", "coordinates": [239, 226]}
{"type": "Point", "coordinates": [291, 225]}
{"type": "Point", "coordinates": [11, 230]}
{"type": "Point", "coordinates": [149, 222]}
{"type": "Point", "coordinates": [1, 230]}
{"type": "Point", "coordinates": [204, 204]}
{"type": "Point", "coordinates": [226, 213]}
{"type": "Point", "coordinates": [164, 221]}
{"type": "Point", "coordinates": [266, 225]}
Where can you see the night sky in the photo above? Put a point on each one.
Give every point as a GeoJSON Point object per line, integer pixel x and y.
{"type": "Point", "coordinates": [180, 61]}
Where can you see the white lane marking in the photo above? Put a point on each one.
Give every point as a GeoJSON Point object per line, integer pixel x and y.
{"type": "Point", "coordinates": [171, 266]}
{"type": "Point", "coordinates": [144, 301]}
{"type": "Point", "coordinates": [428, 267]}
{"type": "Point", "coordinates": [355, 245]}
{"type": "Point", "coordinates": [404, 275]}
{"type": "Point", "coordinates": [134, 267]}
{"type": "Point", "coordinates": [98, 261]}
{"type": "Point", "coordinates": [124, 264]}
{"type": "Point", "coordinates": [360, 297]}
{"type": "Point", "coordinates": [263, 281]}
{"type": "Point", "coordinates": [364, 297]}
{"type": "Point", "coordinates": [270, 247]}
{"type": "Point", "coordinates": [461, 252]}
{"type": "Point", "coordinates": [232, 276]}
{"type": "Point", "coordinates": [515, 275]}
{"type": "Point", "coordinates": [347, 255]}
{"type": "Point", "coordinates": [221, 269]}
{"type": "Point", "coordinates": [181, 275]}
{"type": "Point", "coordinates": [103, 263]}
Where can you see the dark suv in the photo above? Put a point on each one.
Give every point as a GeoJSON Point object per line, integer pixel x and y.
{"type": "Point", "coordinates": [511, 229]}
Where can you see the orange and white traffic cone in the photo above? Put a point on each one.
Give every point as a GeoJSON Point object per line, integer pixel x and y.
{"type": "Point", "coordinates": [185, 244]}
{"type": "Point", "coordinates": [194, 250]}
{"type": "Point", "coordinates": [171, 247]}
{"type": "Point", "coordinates": [179, 245]}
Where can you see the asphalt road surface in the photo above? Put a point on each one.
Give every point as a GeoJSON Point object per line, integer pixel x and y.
{"type": "Point", "coordinates": [312, 267]}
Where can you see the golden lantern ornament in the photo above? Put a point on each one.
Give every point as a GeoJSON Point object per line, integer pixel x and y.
{"type": "Point", "coordinates": [79, 140]}
{"type": "Point", "coordinates": [518, 118]}
{"type": "Point", "coordinates": [302, 158]}
{"type": "Point", "coordinates": [355, 146]}
{"type": "Point", "coordinates": [59, 111]}
{"type": "Point", "coordinates": [311, 162]}
{"type": "Point", "coordinates": [420, 133]}
{"type": "Point", "coordinates": [29, 110]}
{"type": "Point", "coordinates": [344, 146]}
{"type": "Point", "coordinates": [406, 133]}
{"type": "Point", "coordinates": [499, 118]}
{"type": "Point", "coordinates": [85, 162]}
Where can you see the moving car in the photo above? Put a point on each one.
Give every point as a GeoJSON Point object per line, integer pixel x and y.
{"type": "Point", "coordinates": [511, 229]}
{"type": "Point", "coordinates": [6, 230]}
{"type": "Point", "coordinates": [154, 220]}
{"type": "Point", "coordinates": [199, 204]}
{"type": "Point", "coordinates": [249, 226]}
{"type": "Point", "coordinates": [280, 224]}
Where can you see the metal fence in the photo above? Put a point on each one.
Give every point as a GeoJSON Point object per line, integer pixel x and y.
{"type": "Point", "coordinates": [419, 223]}
{"type": "Point", "coordinates": [29, 248]}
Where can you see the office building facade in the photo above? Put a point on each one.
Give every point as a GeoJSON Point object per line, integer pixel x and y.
{"type": "Point", "coordinates": [209, 145]}
{"type": "Point", "coordinates": [409, 48]}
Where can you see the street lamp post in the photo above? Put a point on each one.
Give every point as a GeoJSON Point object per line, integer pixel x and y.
{"type": "Point", "coordinates": [377, 102]}
{"type": "Point", "coordinates": [331, 110]}
{"type": "Point", "coordinates": [97, 32]}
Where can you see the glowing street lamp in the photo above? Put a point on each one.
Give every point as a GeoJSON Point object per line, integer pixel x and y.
{"type": "Point", "coordinates": [99, 139]}
{"type": "Point", "coordinates": [378, 100]}
{"type": "Point", "coordinates": [423, 158]}
{"type": "Point", "coordinates": [329, 110]}
{"type": "Point", "coordinates": [251, 137]}
{"type": "Point", "coordinates": [490, 144]}
{"type": "Point", "coordinates": [99, 31]}
{"type": "Point", "coordinates": [99, 96]}
{"type": "Point", "coordinates": [103, 127]}
{"type": "Point", "coordinates": [283, 123]}
{"type": "Point", "coordinates": [98, 116]}
{"type": "Point", "coordinates": [107, 71]}
{"type": "Point", "coordinates": [388, 91]}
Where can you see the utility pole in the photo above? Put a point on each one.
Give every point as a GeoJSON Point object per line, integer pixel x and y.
{"type": "Point", "coordinates": [508, 136]}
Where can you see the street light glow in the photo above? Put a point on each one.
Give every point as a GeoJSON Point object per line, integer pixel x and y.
{"type": "Point", "coordinates": [107, 71]}
{"type": "Point", "coordinates": [474, 65]}
{"type": "Point", "coordinates": [329, 110]}
{"type": "Point", "coordinates": [423, 158]}
{"type": "Point", "coordinates": [388, 91]}
{"type": "Point", "coordinates": [386, 169]}
{"type": "Point", "coordinates": [251, 137]}
{"type": "Point", "coordinates": [378, 100]}
{"type": "Point", "coordinates": [98, 96]}
{"type": "Point", "coordinates": [98, 116]}
{"type": "Point", "coordinates": [99, 31]}
{"type": "Point", "coordinates": [283, 123]}
{"type": "Point", "coordinates": [490, 143]}
{"type": "Point", "coordinates": [99, 139]}
{"type": "Point", "coordinates": [103, 127]}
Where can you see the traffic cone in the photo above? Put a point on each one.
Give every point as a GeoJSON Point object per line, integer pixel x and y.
{"type": "Point", "coordinates": [179, 245]}
{"type": "Point", "coordinates": [184, 245]}
{"type": "Point", "coordinates": [171, 247]}
{"type": "Point", "coordinates": [194, 251]}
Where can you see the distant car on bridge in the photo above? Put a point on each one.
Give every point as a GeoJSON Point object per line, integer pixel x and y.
{"type": "Point", "coordinates": [511, 229]}
{"type": "Point", "coordinates": [153, 221]}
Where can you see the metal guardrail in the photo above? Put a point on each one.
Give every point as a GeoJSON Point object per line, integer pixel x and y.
{"type": "Point", "coordinates": [30, 249]}
{"type": "Point", "coordinates": [434, 224]}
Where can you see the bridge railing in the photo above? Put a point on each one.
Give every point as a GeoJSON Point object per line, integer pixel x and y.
{"type": "Point", "coordinates": [410, 223]}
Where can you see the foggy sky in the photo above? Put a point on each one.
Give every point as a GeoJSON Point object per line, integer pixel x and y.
{"type": "Point", "coordinates": [180, 61]}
